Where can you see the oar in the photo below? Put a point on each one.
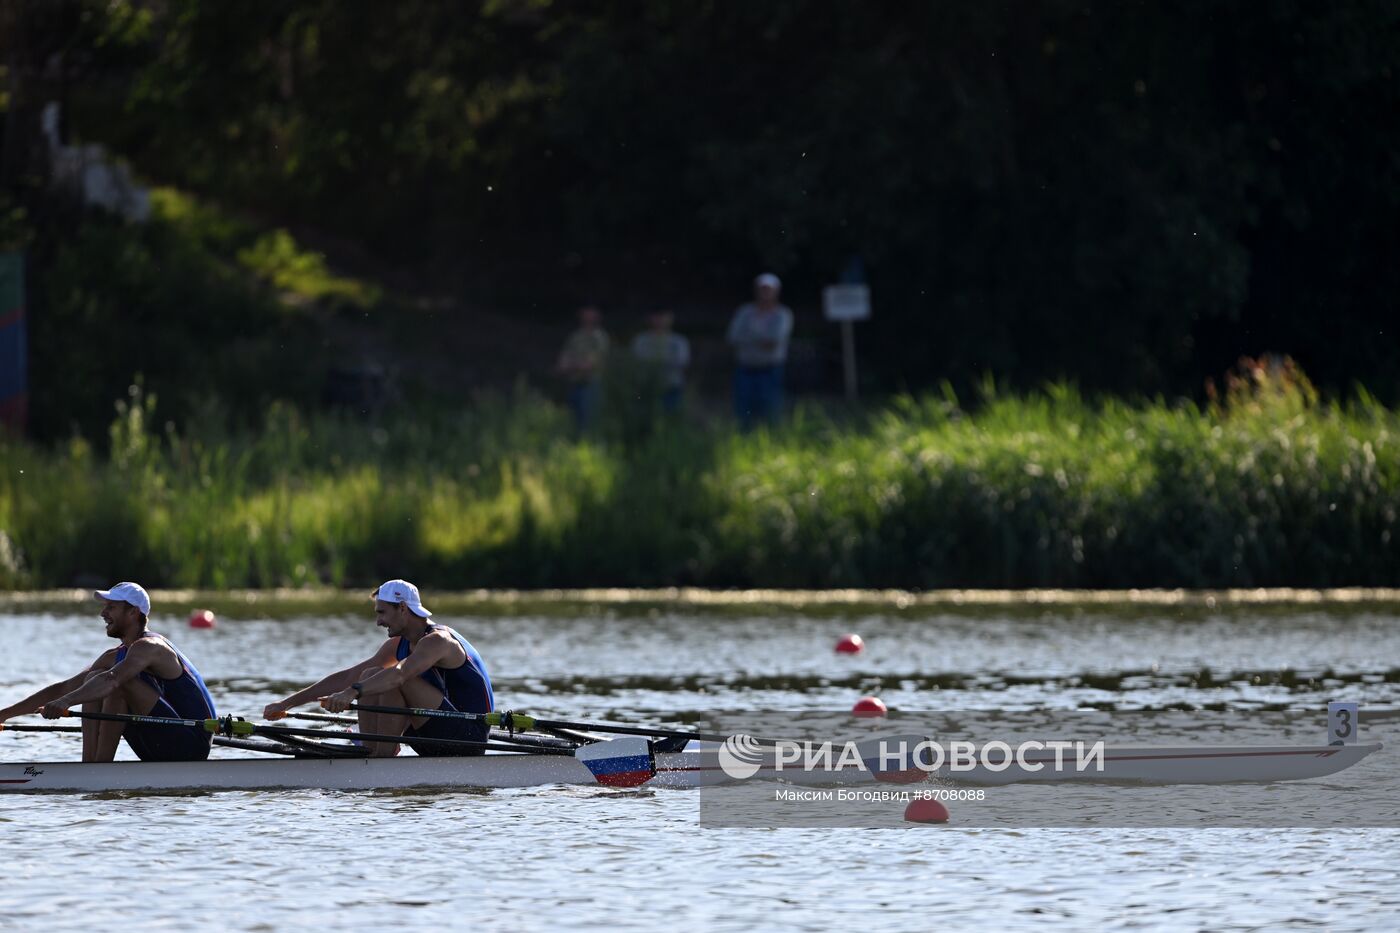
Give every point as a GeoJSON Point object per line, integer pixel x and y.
{"type": "Point", "coordinates": [229, 726]}
{"type": "Point", "coordinates": [522, 723]}
{"type": "Point", "coordinates": [321, 749]}
{"type": "Point", "coordinates": [209, 725]}
{"type": "Point", "coordinates": [625, 762]}
{"type": "Point", "coordinates": [218, 740]}
{"type": "Point", "coordinates": [324, 717]}
{"type": "Point", "coordinates": [548, 741]}
{"type": "Point", "coordinates": [270, 748]}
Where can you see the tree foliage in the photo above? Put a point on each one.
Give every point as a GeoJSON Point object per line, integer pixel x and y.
{"type": "Point", "coordinates": [1129, 194]}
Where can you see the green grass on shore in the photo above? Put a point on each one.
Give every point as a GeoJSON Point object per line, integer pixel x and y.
{"type": "Point", "coordinates": [1268, 488]}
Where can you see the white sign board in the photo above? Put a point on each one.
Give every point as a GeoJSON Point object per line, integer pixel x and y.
{"type": "Point", "coordinates": [846, 302]}
{"type": "Point", "coordinates": [1341, 723]}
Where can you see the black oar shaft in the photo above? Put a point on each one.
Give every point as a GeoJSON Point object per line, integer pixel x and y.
{"type": "Point", "coordinates": [416, 711]}
{"type": "Point", "coordinates": [547, 741]}
{"type": "Point", "coordinates": [634, 730]}
{"type": "Point", "coordinates": [21, 727]}
{"type": "Point", "coordinates": [270, 748]}
{"type": "Point", "coordinates": [148, 720]}
{"type": "Point", "coordinates": [324, 717]}
{"type": "Point", "coordinates": [412, 741]}
{"type": "Point", "coordinates": [522, 721]}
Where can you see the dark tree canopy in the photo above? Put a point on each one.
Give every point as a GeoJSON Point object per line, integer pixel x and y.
{"type": "Point", "coordinates": [1127, 194]}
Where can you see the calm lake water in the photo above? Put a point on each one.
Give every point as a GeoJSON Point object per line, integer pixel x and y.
{"type": "Point", "coordinates": [591, 857]}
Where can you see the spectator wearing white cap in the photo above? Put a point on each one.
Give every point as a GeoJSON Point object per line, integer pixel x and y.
{"type": "Point", "coordinates": [423, 665]}
{"type": "Point", "coordinates": [144, 675]}
{"type": "Point", "coordinates": [759, 334]}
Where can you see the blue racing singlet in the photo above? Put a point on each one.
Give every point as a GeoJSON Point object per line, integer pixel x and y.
{"type": "Point", "coordinates": [468, 687]}
{"type": "Point", "coordinates": [186, 694]}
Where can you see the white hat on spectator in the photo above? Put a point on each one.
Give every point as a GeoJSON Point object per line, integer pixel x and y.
{"type": "Point", "coordinates": [768, 279]}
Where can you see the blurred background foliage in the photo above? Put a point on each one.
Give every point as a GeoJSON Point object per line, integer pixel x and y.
{"type": "Point", "coordinates": [1115, 200]}
{"type": "Point", "coordinates": [1131, 195]}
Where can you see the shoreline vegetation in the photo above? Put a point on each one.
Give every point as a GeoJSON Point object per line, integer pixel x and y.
{"type": "Point", "coordinates": [238, 603]}
{"type": "Point", "coordinates": [1264, 487]}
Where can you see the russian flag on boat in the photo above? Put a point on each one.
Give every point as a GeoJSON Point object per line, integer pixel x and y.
{"type": "Point", "coordinates": [625, 762]}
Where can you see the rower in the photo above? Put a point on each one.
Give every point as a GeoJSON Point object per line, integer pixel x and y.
{"type": "Point", "coordinates": [145, 675]}
{"type": "Point", "coordinates": [422, 664]}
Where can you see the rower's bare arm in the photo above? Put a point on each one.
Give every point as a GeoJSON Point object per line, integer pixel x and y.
{"type": "Point", "coordinates": [37, 700]}
{"type": "Point", "coordinates": [331, 683]}
{"type": "Point", "coordinates": [430, 651]}
{"type": "Point", "coordinates": [139, 657]}
{"type": "Point", "coordinates": [328, 684]}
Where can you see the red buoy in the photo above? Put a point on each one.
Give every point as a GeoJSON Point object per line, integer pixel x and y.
{"type": "Point", "coordinates": [202, 618]}
{"type": "Point", "coordinates": [850, 644]}
{"type": "Point", "coordinates": [925, 811]}
{"type": "Point", "coordinates": [869, 708]}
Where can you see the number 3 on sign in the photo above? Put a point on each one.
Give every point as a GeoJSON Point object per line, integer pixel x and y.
{"type": "Point", "coordinates": [1341, 723]}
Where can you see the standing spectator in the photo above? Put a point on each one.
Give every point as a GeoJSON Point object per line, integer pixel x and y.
{"type": "Point", "coordinates": [759, 334]}
{"type": "Point", "coordinates": [667, 353]}
{"type": "Point", "coordinates": [581, 364]}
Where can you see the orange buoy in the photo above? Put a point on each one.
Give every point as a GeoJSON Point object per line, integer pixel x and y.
{"type": "Point", "coordinates": [869, 708]}
{"type": "Point", "coordinates": [850, 644]}
{"type": "Point", "coordinates": [925, 811]}
{"type": "Point", "coordinates": [202, 618]}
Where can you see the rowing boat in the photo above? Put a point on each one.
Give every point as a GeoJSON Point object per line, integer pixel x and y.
{"type": "Point", "coordinates": [698, 766]}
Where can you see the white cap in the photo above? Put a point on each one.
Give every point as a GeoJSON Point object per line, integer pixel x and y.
{"type": "Point", "coordinates": [131, 593]}
{"type": "Point", "coordinates": [769, 279]}
{"type": "Point", "coordinates": [401, 591]}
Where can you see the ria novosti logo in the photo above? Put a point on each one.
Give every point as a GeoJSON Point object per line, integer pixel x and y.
{"type": "Point", "coordinates": [742, 756]}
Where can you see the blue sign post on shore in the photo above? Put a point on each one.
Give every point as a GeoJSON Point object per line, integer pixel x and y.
{"type": "Point", "coordinates": [14, 346]}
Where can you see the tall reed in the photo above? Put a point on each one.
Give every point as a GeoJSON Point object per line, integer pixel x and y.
{"type": "Point", "coordinates": [1267, 486]}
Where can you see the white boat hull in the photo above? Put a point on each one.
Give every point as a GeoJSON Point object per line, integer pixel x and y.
{"type": "Point", "coordinates": [1157, 765]}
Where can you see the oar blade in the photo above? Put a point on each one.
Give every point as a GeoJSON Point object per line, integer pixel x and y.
{"type": "Point", "coordinates": [624, 762]}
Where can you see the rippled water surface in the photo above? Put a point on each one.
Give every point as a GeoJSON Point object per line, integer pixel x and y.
{"type": "Point", "coordinates": [590, 857]}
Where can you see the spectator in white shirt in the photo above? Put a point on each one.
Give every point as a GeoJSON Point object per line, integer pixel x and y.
{"type": "Point", "coordinates": [759, 335]}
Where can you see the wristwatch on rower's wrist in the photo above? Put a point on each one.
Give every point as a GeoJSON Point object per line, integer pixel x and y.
{"type": "Point", "coordinates": [359, 690]}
